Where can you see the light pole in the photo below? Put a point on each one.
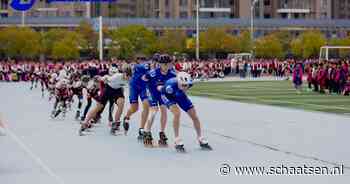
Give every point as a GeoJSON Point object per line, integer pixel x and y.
{"type": "Point", "coordinates": [101, 37]}
{"type": "Point", "coordinates": [197, 30]}
{"type": "Point", "coordinates": [23, 18]}
{"type": "Point", "coordinates": [252, 24]}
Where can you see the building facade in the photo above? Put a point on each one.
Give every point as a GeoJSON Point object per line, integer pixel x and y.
{"type": "Point", "coordinates": [42, 8]}
{"type": "Point", "coordinates": [119, 8]}
{"type": "Point", "coordinates": [187, 8]}
{"type": "Point", "coordinates": [287, 9]}
{"type": "Point", "coordinates": [340, 9]}
{"type": "Point", "coordinates": [284, 9]}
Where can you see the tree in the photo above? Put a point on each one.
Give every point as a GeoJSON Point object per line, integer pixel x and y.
{"type": "Point", "coordinates": [139, 38]}
{"type": "Point", "coordinates": [269, 47]}
{"type": "Point", "coordinates": [49, 39]}
{"type": "Point", "coordinates": [89, 37]}
{"type": "Point", "coordinates": [285, 38]}
{"type": "Point", "coordinates": [216, 40]}
{"type": "Point", "coordinates": [31, 46]}
{"type": "Point", "coordinates": [68, 47]}
{"type": "Point", "coordinates": [341, 42]}
{"type": "Point", "coordinates": [308, 44]}
{"type": "Point", "coordinates": [297, 47]}
{"type": "Point", "coordinates": [245, 42]}
{"type": "Point", "coordinates": [231, 44]}
{"type": "Point", "coordinates": [20, 42]}
{"type": "Point", "coordinates": [172, 41]}
{"type": "Point", "coordinates": [122, 49]}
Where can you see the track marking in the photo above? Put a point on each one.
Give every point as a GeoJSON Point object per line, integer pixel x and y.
{"type": "Point", "coordinates": [272, 148]}
{"type": "Point", "coordinates": [273, 101]}
{"type": "Point", "coordinates": [36, 158]}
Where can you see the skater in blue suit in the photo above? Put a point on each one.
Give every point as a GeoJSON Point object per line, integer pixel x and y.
{"type": "Point", "coordinates": [174, 96]}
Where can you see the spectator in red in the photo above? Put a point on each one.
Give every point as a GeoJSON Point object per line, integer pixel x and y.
{"type": "Point", "coordinates": [322, 77]}
{"type": "Point", "coordinates": [308, 71]}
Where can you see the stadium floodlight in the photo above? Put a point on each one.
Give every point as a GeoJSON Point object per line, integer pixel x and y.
{"type": "Point", "coordinates": [324, 51]}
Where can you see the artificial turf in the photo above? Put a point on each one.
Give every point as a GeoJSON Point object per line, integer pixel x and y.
{"type": "Point", "coordinates": [278, 93]}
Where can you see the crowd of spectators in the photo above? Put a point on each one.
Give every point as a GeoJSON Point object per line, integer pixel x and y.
{"type": "Point", "coordinates": [325, 77]}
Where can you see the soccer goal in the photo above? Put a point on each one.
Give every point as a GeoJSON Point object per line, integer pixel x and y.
{"type": "Point", "coordinates": [334, 52]}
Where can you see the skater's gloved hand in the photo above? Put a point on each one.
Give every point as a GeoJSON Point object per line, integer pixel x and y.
{"type": "Point", "coordinates": [159, 88]}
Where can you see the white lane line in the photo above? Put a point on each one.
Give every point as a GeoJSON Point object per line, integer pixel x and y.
{"type": "Point", "coordinates": [37, 159]}
{"type": "Point", "coordinates": [268, 147]}
{"type": "Point", "coordinates": [276, 101]}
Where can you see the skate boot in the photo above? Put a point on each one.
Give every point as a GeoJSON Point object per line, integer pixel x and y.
{"type": "Point", "coordinates": [126, 125]}
{"type": "Point", "coordinates": [110, 121]}
{"type": "Point", "coordinates": [56, 113]}
{"type": "Point", "coordinates": [115, 127]}
{"type": "Point", "coordinates": [77, 115]}
{"type": "Point", "coordinates": [203, 143]}
{"type": "Point", "coordinates": [141, 135]}
{"type": "Point", "coordinates": [162, 139]}
{"type": "Point", "coordinates": [97, 119]}
{"type": "Point", "coordinates": [64, 112]}
{"type": "Point", "coordinates": [89, 126]}
{"type": "Point", "coordinates": [82, 130]}
{"type": "Point", "coordinates": [179, 146]}
{"type": "Point", "coordinates": [147, 139]}
{"type": "Point", "coordinates": [53, 112]}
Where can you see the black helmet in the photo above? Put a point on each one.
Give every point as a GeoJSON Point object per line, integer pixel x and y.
{"type": "Point", "coordinates": [164, 59]}
{"type": "Point", "coordinates": [156, 57]}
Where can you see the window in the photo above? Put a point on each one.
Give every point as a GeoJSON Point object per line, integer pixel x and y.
{"type": "Point", "coordinates": [167, 14]}
{"type": "Point", "coordinates": [183, 14]}
{"type": "Point", "coordinates": [3, 15]}
{"type": "Point", "coordinates": [4, 4]}
{"type": "Point", "coordinates": [66, 14]}
{"type": "Point", "coordinates": [284, 15]}
{"type": "Point", "coordinates": [267, 16]}
{"type": "Point", "coordinates": [157, 4]}
{"type": "Point", "coordinates": [183, 2]}
{"type": "Point", "coordinates": [79, 13]}
{"type": "Point", "coordinates": [296, 16]}
{"type": "Point", "coordinates": [166, 2]}
{"type": "Point", "coordinates": [267, 3]}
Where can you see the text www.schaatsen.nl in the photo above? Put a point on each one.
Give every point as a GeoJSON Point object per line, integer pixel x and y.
{"type": "Point", "coordinates": [227, 169]}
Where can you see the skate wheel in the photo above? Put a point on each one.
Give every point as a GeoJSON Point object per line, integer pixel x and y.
{"type": "Point", "coordinates": [206, 147]}
{"type": "Point", "coordinates": [180, 149]}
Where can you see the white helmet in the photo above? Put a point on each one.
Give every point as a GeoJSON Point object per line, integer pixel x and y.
{"type": "Point", "coordinates": [62, 75]}
{"type": "Point", "coordinates": [54, 75]}
{"type": "Point", "coordinates": [113, 70]}
{"type": "Point", "coordinates": [184, 78]}
{"type": "Point", "coordinates": [62, 83]}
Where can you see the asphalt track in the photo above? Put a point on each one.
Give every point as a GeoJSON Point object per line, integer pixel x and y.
{"type": "Point", "coordinates": [39, 150]}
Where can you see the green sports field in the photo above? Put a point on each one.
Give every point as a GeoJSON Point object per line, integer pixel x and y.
{"type": "Point", "coordinates": [278, 93]}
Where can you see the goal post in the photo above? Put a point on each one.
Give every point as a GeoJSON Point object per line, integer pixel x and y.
{"type": "Point", "coordinates": [325, 51]}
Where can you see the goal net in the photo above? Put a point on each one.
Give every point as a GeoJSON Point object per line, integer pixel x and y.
{"type": "Point", "coordinates": [334, 52]}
